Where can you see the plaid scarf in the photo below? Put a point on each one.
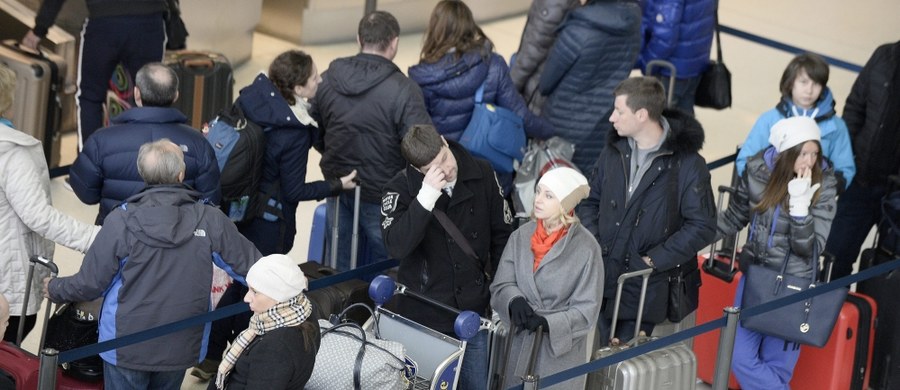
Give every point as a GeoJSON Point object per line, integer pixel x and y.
{"type": "Point", "coordinates": [285, 314]}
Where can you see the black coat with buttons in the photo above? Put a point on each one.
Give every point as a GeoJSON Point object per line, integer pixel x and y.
{"type": "Point", "coordinates": [668, 221]}
{"type": "Point", "coordinates": [430, 261]}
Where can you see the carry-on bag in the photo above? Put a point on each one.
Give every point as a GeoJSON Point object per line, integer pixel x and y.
{"type": "Point", "coordinates": [671, 367]}
{"type": "Point", "coordinates": [206, 84]}
{"type": "Point", "coordinates": [36, 108]}
{"type": "Point", "coordinates": [844, 362]}
{"type": "Point", "coordinates": [337, 297]}
{"type": "Point", "coordinates": [21, 366]}
{"type": "Point", "coordinates": [720, 276]}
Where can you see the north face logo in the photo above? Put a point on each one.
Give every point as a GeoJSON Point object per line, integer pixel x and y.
{"type": "Point", "coordinates": [199, 233]}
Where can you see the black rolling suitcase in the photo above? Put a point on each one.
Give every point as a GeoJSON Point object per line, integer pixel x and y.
{"type": "Point", "coordinates": [205, 86]}
{"type": "Point", "coordinates": [36, 108]}
{"type": "Point", "coordinates": [885, 290]}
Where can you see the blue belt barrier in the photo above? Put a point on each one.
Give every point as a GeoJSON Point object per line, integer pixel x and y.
{"type": "Point", "coordinates": [230, 310]}
{"type": "Point", "coordinates": [721, 162]}
{"type": "Point", "coordinates": [788, 48]}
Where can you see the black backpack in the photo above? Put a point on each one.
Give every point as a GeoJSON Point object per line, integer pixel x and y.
{"type": "Point", "coordinates": [240, 147]}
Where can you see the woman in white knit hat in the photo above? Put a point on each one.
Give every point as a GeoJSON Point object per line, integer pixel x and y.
{"type": "Point", "coordinates": [787, 195]}
{"type": "Point", "coordinates": [550, 276]}
{"type": "Point", "coordinates": [278, 350]}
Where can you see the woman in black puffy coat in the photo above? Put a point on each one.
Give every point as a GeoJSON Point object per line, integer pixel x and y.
{"type": "Point", "coordinates": [456, 59]}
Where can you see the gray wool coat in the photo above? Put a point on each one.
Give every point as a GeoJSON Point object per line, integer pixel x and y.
{"type": "Point", "coordinates": [566, 289]}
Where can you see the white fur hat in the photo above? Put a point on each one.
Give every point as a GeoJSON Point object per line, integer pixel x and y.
{"type": "Point", "coordinates": [569, 186]}
{"type": "Point", "coordinates": [793, 131]}
{"type": "Point", "coordinates": [278, 277]}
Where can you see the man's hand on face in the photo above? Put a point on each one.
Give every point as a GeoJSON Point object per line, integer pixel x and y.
{"type": "Point", "coordinates": [434, 178]}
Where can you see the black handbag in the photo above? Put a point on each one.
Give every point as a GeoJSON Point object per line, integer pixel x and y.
{"type": "Point", "coordinates": [684, 291]}
{"type": "Point", "coordinates": [714, 90]}
{"type": "Point", "coordinates": [808, 322]}
{"type": "Point", "coordinates": [176, 32]}
{"type": "Point", "coordinates": [72, 327]}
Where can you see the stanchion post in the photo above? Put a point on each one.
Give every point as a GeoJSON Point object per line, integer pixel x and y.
{"type": "Point", "coordinates": [47, 371]}
{"type": "Point", "coordinates": [370, 7]}
{"type": "Point", "coordinates": [726, 348]}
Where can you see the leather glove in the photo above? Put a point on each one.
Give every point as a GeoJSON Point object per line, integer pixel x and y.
{"type": "Point", "coordinates": [535, 321]}
{"type": "Point", "coordinates": [519, 311]}
{"type": "Point", "coordinates": [801, 196]}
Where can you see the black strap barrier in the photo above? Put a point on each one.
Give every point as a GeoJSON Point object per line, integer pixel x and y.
{"type": "Point", "coordinates": [721, 162]}
{"type": "Point", "coordinates": [595, 365]}
{"type": "Point", "coordinates": [230, 310]}
{"type": "Point", "coordinates": [60, 171]}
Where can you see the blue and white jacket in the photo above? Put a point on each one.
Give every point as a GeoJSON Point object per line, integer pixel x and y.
{"type": "Point", "coordinates": [835, 136]}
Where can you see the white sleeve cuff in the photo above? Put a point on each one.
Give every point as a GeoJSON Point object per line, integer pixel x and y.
{"type": "Point", "coordinates": [428, 196]}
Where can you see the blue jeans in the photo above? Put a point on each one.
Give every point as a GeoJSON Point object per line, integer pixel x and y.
{"type": "Point", "coordinates": [858, 209]}
{"type": "Point", "coordinates": [474, 372]}
{"type": "Point", "coordinates": [759, 361]}
{"type": "Point", "coordinates": [371, 246]}
{"type": "Point", "coordinates": [685, 91]}
{"type": "Point", "coordinates": [119, 378]}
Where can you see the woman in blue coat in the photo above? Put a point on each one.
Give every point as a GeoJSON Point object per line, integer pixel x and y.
{"type": "Point", "coordinates": [597, 46]}
{"type": "Point", "coordinates": [456, 59]}
{"type": "Point", "coordinates": [278, 104]}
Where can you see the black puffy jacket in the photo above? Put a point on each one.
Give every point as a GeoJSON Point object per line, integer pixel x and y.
{"type": "Point", "coordinates": [670, 222]}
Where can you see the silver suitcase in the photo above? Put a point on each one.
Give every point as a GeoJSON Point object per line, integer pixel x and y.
{"type": "Point", "coordinates": [673, 367]}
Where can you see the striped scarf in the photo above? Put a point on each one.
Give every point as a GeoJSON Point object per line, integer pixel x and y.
{"type": "Point", "coordinates": [285, 314]}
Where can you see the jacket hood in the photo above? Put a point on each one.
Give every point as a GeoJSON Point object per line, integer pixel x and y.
{"type": "Point", "coordinates": [823, 110]}
{"type": "Point", "coordinates": [10, 138]}
{"type": "Point", "coordinates": [468, 72]}
{"type": "Point", "coordinates": [607, 17]}
{"type": "Point", "coordinates": [149, 115]}
{"type": "Point", "coordinates": [351, 76]}
{"type": "Point", "coordinates": [263, 104]}
{"type": "Point", "coordinates": [685, 133]}
{"type": "Point", "coordinates": [164, 216]}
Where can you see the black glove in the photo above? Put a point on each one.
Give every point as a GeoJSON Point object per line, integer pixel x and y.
{"type": "Point", "coordinates": [535, 321]}
{"type": "Point", "coordinates": [519, 311]}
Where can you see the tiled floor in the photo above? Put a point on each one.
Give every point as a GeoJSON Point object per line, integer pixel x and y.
{"type": "Point", "coordinates": [846, 30]}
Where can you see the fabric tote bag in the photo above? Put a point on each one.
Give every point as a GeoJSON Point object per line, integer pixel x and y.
{"type": "Point", "coordinates": [494, 134]}
{"type": "Point", "coordinates": [714, 90]}
{"type": "Point", "coordinates": [808, 322]}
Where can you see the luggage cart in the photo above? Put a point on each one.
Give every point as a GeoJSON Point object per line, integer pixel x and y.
{"type": "Point", "coordinates": [433, 358]}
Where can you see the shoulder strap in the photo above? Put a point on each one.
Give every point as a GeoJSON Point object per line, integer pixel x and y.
{"type": "Point", "coordinates": [479, 94]}
{"type": "Point", "coordinates": [454, 232]}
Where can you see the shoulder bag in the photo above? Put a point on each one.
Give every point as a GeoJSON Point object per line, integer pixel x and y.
{"type": "Point", "coordinates": [808, 322]}
{"type": "Point", "coordinates": [714, 90]}
{"type": "Point", "coordinates": [494, 134]}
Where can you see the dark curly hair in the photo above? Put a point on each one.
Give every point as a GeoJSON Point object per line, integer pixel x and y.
{"type": "Point", "coordinates": [290, 69]}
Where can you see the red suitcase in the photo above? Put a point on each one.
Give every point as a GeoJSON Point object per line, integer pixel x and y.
{"type": "Point", "coordinates": [844, 363]}
{"type": "Point", "coordinates": [22, 367]}
{"type": "Point", "coordinates": [715, 294]}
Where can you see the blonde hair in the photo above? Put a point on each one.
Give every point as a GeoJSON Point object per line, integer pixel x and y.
{"type": "Point", "coordinates": [566, 218]}
{"type": "Point", "coordinates": [7, 88]}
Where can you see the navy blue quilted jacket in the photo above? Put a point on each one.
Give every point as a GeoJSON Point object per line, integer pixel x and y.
{"type": "Point", "coordinates": [106, 172]}
{"type": "Point", "coordinates": [678, 31]}
{"type": "Point", "coordinates": [449, 86]}
{"type": "Point", "coordinates": [597, 47]}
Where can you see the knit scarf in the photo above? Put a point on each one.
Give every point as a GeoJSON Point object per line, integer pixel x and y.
{"type": "Point", "coordinates": [285, 314]}
{"type": "Point", "coordinates": [542, 242]}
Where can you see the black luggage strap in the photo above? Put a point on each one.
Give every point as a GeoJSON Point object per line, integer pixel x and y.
{"type": "Point", "coordinates": [460, 240]}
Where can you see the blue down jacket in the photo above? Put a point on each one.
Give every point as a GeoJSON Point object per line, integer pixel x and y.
{"type": "Point", "coordinates": [680, 32]}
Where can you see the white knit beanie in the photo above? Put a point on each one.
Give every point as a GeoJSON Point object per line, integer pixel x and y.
{"type": "Point", "coordinates": [793, 131]}
{"type": "Point", "coordinates": [569, 186]}
{"type": "Point", "coordinates": [278, 277]}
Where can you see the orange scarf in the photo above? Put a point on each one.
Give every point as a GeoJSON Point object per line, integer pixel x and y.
{"type": "Point", "coordinates": [541, 242]}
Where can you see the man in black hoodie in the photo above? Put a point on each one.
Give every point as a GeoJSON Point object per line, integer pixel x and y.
{"type": "Point", "coordinates": [364, 107]}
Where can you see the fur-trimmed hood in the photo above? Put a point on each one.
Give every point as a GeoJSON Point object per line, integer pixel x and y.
{"type": "Point", "coordinates": [685, 133]}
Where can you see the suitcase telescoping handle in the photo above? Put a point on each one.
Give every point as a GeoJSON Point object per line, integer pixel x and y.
{"type": "Point", "coordinates": [711, 266]}
{"type": "Point", "coordinates": [354, 241]}
{"type": "Point", "coordinates": [648, 70]}
{"type": "Point", "coordinates": [54, 270]}
{"type": "Point", "coordinates": [532, 380]}
{"type": "Point", "coordinates": [645, 274]}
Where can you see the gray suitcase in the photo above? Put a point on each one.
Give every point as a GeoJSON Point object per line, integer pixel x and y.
{"type": "Point", "coordinates": [500, 349]}
{"type": "Point", "coordinates": [673, 367]}
{"type": "Point", "coordinates": [36, 103]}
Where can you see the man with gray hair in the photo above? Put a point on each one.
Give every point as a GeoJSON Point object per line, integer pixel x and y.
{"type": "Point", "coordinates": [104, 171]}
{"type": "Point", "coordinates": [152, 266]}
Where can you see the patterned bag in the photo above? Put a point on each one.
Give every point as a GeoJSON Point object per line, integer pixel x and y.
{"type": "Point", "coordinates": [350, 358]}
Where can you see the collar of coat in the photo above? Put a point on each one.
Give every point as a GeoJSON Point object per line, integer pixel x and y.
{"type": "Point", "coordinates": [685, 135]}
{"type": "Point", "coordinates": [150, 115]}
{"type": "Point", "coordinates": [467, 170]}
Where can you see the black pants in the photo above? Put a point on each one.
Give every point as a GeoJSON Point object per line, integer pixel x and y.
{"type": "Point", "coordinates": [858, 209]}
{"type": "Point", "coordinates": [225, 330]}
{"type": "Point", "coordinates": [13, 327]}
